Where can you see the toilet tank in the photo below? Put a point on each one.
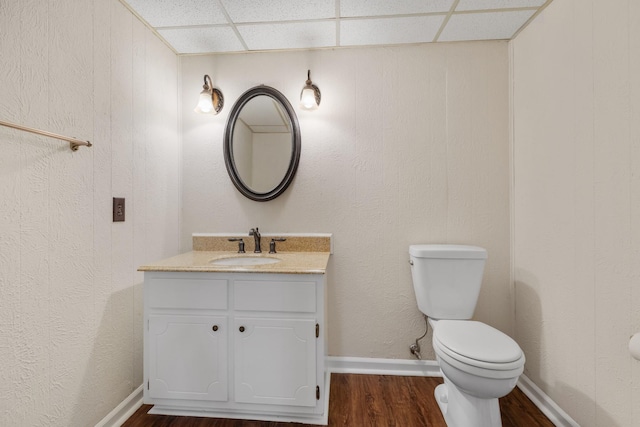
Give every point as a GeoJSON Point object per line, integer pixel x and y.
{"type": "Point", "coordinates": [447, 279]}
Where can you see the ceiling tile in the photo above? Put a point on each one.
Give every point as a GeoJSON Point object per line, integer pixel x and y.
{"type": "Point", "coordinates": [352, 8]}
{"type": "Point", "coordinates": [202, 39]}
{"type": "Point", "coordinates": [417, 29]}
{"type": "Point", "coordinates": [168, 13]}
{"type": "Point", "coordinates": [484, 26]}
{"type": "Point", "coordinates": [209, 26]}
{"type": "Point", "coordinates": [293, 35]}
{"type": "Point", "coordinates": [279, 10]}
{"type": "Point", "coordinates": [497, 4]}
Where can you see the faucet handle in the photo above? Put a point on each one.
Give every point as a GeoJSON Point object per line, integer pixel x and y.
{"type": "Point", "coordinates": [272, 244]}
{"type": "Point", "coordinates": [240, 244]}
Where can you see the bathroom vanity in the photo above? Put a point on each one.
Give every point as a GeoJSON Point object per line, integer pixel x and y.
{"type": "Point", "coordinates": [226, 336]}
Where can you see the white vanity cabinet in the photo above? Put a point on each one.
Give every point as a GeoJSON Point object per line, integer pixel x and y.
{"type": "Point", "coordinates": [236, 345]}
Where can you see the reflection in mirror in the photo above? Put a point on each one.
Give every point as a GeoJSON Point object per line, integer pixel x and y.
{"type": "Point", "coordinates": [262, 143]}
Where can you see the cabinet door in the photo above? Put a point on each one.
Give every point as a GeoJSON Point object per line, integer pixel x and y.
{"type": "Point", "coordinates": [275, 361]}
{"type": "Point", "coordinates": [188, 357]}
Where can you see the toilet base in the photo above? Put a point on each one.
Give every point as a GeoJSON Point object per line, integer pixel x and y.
{"type": "Point", "coordinates": [463, 410]}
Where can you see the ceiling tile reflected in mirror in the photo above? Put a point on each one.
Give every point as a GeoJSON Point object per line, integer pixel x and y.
{"type": "Point", "coordinates": [215, 26]}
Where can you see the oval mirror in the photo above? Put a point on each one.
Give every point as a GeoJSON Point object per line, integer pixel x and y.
{"type": "Point", "coordinates": [262, 143]}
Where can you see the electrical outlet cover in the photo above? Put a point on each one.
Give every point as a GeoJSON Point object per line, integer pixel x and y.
{"type": "Point", "coordinates": [118, 209]}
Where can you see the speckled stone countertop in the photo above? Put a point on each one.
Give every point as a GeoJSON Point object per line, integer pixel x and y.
{"type": "Point", "coordinates": [298, 254]}
{"type": "Point", "coordinates": [200, 261]}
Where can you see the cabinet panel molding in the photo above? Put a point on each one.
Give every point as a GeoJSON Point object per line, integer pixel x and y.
{"type": "Point", "coordinates": [188, 359]}
{"type": "Point", "coordinates": [172, 292]}
{"type": "Point", "coordinates": [298, 296]}
{"type": "Point", "coordinates": [275, 361]}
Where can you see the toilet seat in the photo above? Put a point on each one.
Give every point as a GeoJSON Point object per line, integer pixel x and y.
{"type": "Point", "coordinates": [478, 349]}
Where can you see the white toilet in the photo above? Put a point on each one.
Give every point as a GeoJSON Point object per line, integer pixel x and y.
{"type": "Point", "coordinates": [479, 363]}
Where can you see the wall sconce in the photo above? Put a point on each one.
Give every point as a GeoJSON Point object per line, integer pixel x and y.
{"type": "Point", "coordinates": [211, 99]}
{"type": "Point", "coordinates": [310, 95]}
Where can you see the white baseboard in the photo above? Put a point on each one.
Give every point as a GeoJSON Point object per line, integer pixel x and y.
{"type": "Point", "coordinates": [548, 407]}
{"type": "Point", "coordinates": [123, 411]}
{"type": "Point", "coordinates": [371, 366]}
{"type": "Point", "coordinates": [363, 365]}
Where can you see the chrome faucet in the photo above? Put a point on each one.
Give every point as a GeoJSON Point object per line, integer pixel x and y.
{"type": "Point", "coordinates": [256, 237]}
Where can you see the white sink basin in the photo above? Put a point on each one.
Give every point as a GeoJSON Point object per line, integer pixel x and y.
{"type": "Point", "coordinates": [244, 261]}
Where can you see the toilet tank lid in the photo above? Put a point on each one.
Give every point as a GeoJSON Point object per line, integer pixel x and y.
{"type": "Point", "coordinates": [448, 251]}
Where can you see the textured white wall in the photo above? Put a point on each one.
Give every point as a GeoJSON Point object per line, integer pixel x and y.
{"type": "Point", "coordinates": [70, 298]}
{"type": "Point", "coordinates": [577, 206]}
{"type": "Point", "coordinates": [409, 145]}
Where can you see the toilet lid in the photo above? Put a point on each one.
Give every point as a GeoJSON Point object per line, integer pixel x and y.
{"type": "Point", "coordinates": [448, 251]}
{"type": "Point", "coordinates": [477, 341]}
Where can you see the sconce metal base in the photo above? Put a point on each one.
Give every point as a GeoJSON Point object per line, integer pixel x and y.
{"type": "Point", "coordinates": [316, 93]}
{"type": "Point", "coordinates": [218, 100]}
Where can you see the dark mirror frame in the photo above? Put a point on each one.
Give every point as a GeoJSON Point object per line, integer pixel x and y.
{"type": "Point", "coordinates": [228, 143]}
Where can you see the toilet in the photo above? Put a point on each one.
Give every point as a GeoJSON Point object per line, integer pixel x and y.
{"type": "Point", "coordinates": [479, 363]}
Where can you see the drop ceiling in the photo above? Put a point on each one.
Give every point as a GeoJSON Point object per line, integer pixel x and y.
{"type": "Point", "coordinates": [216, 26]}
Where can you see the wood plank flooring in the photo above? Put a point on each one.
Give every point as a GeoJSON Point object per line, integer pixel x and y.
{"type": "Point", "coordinates": [369, 401]}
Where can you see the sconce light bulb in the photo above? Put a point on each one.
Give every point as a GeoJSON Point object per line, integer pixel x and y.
{"type": "Point", "coordinates": [308, 99]}
{"type": "Point", "coordinates": [205, 103]}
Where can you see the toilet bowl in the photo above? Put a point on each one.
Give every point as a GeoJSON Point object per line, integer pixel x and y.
{"type": "Point", "coordinates": [479, 364]}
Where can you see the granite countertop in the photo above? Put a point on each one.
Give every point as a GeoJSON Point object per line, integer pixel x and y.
{"type": "Point", "coordinates": [200, 261]}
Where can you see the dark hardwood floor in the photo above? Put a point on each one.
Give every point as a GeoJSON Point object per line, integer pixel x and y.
{"type": "Point", "coordinates": [369, 400]}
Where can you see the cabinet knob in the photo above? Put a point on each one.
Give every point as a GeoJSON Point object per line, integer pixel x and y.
{"type": "Point", "coordinates": [215, 328]}
{"type": "Point", "coordinates": [241, 328]}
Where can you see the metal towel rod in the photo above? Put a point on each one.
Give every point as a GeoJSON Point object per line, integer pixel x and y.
{"type": "Point", "coordinates": [73, 143]}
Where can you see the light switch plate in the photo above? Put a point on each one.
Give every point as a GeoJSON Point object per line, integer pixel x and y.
{"type": "Point", "coordinates": [118, 209]}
